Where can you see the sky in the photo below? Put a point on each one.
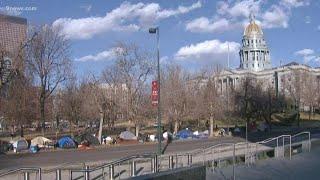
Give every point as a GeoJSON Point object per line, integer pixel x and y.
{"type": "Point", "coordinates": [193, 33]}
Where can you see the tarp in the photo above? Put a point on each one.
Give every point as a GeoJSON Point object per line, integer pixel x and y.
{"type": "Point", "coordinates": [20, 145]}
{"type": "Point", "coordinates": [87, 137]}
{"type": "Point", "coordinates": [40, 141]}
{"type": "Point", "coordinates": [184, 134]}
{"type": "Point", "coordinates": [127, 135]}
{"type": "Point", "coordinates": [66, 142]}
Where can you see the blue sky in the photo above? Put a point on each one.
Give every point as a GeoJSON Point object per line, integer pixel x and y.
{"type": "Point", "coordinates": [193, 33]}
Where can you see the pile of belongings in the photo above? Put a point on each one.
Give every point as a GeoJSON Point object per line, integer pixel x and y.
{"type": "Point", "coordinates": [40, 141]}
{"type": "Point", "coordinates": [184, 134]}
{"type": "Point", "coordinates": [86, 139]}
{"type": "Point", "coordinates": [66, 142]}
{"type": "Point", "coordinates": [108, 140]}
{"type": "Point", "coordinates": [20, 145]}
{"type": "Point", "coordinates": [152, 137]}
{"type": "Point", "coordinates": [201, 135]}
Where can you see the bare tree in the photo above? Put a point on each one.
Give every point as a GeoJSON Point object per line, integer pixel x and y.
{"type": "Point", "coordinates": [20, 103]}
{"type": "Point", "coordinates": [295, 89]}
{"type": "Point", "coordinates": [309, 91]}
{"type": "Point", "coordinates": [131, 70]}
{"type": "Point", "coordinates": [71, 103]}
{"type": "Point", "coordinates": [47, 60]}
{"type": "Point", "coordinates": [245, 99]}
{"type": "Point", "coordinates": [175, 95]}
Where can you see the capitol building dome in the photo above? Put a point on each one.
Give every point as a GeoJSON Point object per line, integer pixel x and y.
{"type": "Point", "coordinates": [254, 53]}
{"type": "Point", "coordinates": [252, 29]}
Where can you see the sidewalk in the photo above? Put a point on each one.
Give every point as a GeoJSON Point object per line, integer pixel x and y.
{"type": "Point", "coordinates": [302, 166]}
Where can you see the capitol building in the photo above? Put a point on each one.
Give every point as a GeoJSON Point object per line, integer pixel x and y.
{"type": "Point", "coordinates": [255, 63]}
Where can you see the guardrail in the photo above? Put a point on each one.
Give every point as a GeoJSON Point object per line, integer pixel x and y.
{"type": "Point", "coordinates": [212, 155]}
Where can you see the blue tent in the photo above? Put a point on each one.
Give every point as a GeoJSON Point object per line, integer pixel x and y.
{"type": "Point", "coordinates": [66, 142]}
{"type": "Point", "coordinates": [184, 134]}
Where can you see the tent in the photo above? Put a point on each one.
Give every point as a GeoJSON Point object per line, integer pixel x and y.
{"type": "Point", "coordinates": [66, 142]}
{"type": "Point", "coordinates": [20, 145]}
{"type": "Point", "coordinates": [88, 138]}
{"type": "Point", "coordinates": [40, 141]}
{"type": "Point", "coordinates": [184, 134]}
{"type": "Point", "coordinates": [127, 135]}
{"type": "Point", "coordinates": [4, 146]}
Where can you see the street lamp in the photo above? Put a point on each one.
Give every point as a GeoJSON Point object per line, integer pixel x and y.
{"type": "Point", "coordinates": [156, 31]}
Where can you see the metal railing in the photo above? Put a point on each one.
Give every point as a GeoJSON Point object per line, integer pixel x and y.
{"type": "Point", "coordinates": [26, 171]}
{"type": "Point", "coordinates": [111, 166]}
{"type": "Point", "coordinates": [212, 156]}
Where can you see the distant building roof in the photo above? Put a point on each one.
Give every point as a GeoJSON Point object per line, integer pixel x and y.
{"type": "Point", "coordinates": [13, 19]}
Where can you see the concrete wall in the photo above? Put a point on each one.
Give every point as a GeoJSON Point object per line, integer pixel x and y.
{"type": "Point", "coordinates": [186, 173]}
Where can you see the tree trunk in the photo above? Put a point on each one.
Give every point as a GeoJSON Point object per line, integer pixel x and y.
{"type": "Point", "coordinates": [100, 127]}
{"type": "Point", "coordinates": [211, 126]}
{"type": "Point", "coordinates": [21, 131]}
{"type": "Point", "coordinates": [310, 110]}
{"type": "Point", "coordinates": [176, 126]}
{"type": "Point", "coordinates": [137, 130]}
{"type": "Point", "coordinates": [42, 113]}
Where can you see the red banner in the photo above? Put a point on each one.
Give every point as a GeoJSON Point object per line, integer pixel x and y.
{"type": "Point", "coordinates": [154, 93]}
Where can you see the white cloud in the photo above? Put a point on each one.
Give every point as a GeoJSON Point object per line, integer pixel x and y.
{"type": "Point", "coordinates": [318, 28]}
{"type": "Point", "coordinates": [127, 17]}
{"type": "Point", "coordinates": [210, 50]}
{"type": "Point", "coordinates": [295, 3]}
{"type": "Point", "coordinates": [271, 15]}
{"type": "Point", "coordinates": [203, 24]}
{"type": "Point", "coordinates": [101, 56]}
{"type": "Point", "coordinates": [180, 10]}
{"type": "Point", "coordinates": [304, 52]}
{"type": "Point", "coordinates": [275, 17]}
{"type": "Point", "coordinates": [239, 8]}
{"type": "Point", "coordinates": [308, 55]}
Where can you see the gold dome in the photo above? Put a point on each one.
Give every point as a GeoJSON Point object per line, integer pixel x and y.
{"type": "Point", "coordinates": [252, 28]}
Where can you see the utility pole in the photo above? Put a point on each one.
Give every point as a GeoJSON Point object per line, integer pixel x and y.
{"type": "Point", "coordinates": [156, 31]}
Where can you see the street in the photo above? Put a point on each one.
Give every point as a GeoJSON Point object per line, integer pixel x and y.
{"type": "Point", "coordinates": [47, 160]}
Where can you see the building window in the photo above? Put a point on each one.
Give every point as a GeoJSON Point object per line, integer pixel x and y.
{"type": "Point", "coordinates": [252, 65]}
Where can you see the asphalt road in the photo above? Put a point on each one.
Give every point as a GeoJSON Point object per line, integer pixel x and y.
{"type": "Point", "coordinates": [56, 158]}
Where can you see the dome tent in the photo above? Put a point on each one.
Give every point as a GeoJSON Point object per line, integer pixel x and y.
{"type": "Point", "coordinates": [127, 135]}
{"type": "Point", "coordinates": [185, 134]}
{"type": "Point", "coordinates": [66, 142]}
{"type": "Point", "coordinates": [40, 141]}
{"type": "Point", "coordinates": [87, 137]}
{"type": "Point", "coordinates": [20, 145]}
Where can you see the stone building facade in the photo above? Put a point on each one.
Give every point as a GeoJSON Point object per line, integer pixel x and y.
{"type": "Point", "coordinates": [13, 34]}
{"type": "Point", "coordinates": [255, 63]}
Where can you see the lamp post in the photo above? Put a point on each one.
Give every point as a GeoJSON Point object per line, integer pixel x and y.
{"type": "Point", "coordinates": [156, 31]}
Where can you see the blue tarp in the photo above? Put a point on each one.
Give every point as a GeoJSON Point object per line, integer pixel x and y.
{"type": "Point", "coordinates": [184, 134]}
{"type": "Point", "coordinates": [66, 142]}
